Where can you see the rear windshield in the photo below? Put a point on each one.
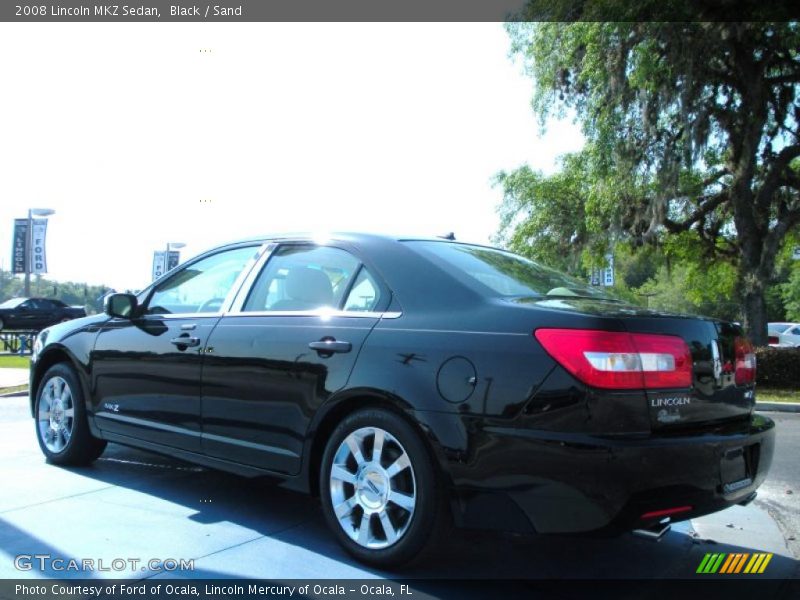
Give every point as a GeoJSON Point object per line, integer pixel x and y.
{"type": "Point", "coordinates": [498, 273]}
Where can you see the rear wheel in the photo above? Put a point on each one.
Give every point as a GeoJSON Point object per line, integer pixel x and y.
{"type": "Point", "coordinates": [381, 494]}
{"type": "Point", "coordinates": [61, 426]}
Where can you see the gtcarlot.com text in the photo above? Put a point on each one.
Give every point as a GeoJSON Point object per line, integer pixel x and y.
{"type": "Point", "coordinates": [48, 562]}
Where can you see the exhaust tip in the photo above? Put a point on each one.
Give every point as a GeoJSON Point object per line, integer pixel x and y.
{"type": "Point", "coordinates": [655, 532]}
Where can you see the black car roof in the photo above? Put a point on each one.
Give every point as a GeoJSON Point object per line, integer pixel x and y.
{"type": "Point", "coordinates": [353, 237]}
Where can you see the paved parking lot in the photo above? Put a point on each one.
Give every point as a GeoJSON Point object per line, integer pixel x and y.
{"type": "Point", "coordinates": [131, 504]}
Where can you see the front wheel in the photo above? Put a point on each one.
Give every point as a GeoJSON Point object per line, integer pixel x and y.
{"type": "Point", "coordinates": [61, 426]}
{"type": "Point", "coordinates": [381, 494]}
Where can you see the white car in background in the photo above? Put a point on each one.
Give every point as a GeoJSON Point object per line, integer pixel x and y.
{"type": "Point", "coordinates": [783, 334]}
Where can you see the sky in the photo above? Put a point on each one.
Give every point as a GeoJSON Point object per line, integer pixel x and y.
{"type": "Point", "coordinates": [140, 134]}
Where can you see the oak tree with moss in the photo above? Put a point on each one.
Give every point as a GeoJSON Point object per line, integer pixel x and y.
{"type": "Point", "coordinates": [692, 129]}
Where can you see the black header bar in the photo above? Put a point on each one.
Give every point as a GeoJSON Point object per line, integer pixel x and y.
{"type": "Point", "coordinates": [397, 10]}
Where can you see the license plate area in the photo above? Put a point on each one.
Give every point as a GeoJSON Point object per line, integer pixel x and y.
{"type": "Point", "coordinates": [737, 468]}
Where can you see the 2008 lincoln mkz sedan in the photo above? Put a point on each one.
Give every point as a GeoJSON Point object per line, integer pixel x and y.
{"type": "Point", "coordinates": [411, 383]}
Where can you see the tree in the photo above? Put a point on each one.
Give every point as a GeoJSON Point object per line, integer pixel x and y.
{"type": "Point", "coordinates": [545, 218]}
{"type": "Point", "coordinates": [694, 126]}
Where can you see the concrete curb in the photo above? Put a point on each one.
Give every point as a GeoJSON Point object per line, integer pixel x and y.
{"type": "Point", "coordinates": [790, 407]}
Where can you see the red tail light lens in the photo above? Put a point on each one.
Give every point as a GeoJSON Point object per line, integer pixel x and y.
{"type": "Point", "coordinates": [622, 361]}
{"type": "Point", "coordinates": [773, 339]}
{"type": "Point", "coordinates": [745, 361]}
{"type": "Point", "coordinates": [666, 512]}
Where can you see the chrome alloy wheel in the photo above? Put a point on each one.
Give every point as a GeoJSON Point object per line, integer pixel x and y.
{"type": "Point", "coordinates": [373, 489]}
{"type": "Point", "coordinates": [56, 414]}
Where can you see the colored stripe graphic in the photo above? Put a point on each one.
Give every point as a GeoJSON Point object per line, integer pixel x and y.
{"type": "Point", "coordinates": [765, 563]}
{"type": "Point", "coordinates": [703, 563]}
{"type": "Point", "coordinates": [741, 562]}
{"type": "Point", "coordinates": [751, 564]}
{"type": "Point", "coordinates": [711, 563]}
{"type": "Point", "coordinates": [729, 562]}
{"type": "Point", "coordinates": [717, 563]}
{"type": "Point", "coordinates": [735, 563]}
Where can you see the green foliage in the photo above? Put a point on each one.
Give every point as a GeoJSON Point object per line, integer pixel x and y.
{"type": "Point", "coordinates": [790, 293]}
{"type": "Point", "coordinates": [669, 291]}
{"type": "Point", "coordinates": [778, 367]}
{"type": "Point", "coordinates": [544, 218]}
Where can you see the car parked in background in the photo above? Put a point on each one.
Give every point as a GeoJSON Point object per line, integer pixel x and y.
{"type": "Point", "coordinates": [411, 382]}
{"type": "Point", "coordinates": [34, 314]}
{"type": "Point", "coordinates": [783, 334]}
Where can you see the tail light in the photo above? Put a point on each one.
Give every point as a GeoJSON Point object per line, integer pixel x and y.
{"type": "Point", "coordinates": [745, 361]}
{"type": "Point", "coordinates": [773, 339]}
{"type": "Point", "coordinates": [614, 360]}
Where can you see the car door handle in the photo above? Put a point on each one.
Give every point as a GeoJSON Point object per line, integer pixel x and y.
{"type": "Point", "coordinates": [185, 340]}
{"type": "Point", "coordinates": [329, 346]}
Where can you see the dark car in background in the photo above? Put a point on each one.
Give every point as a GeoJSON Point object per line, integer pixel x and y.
{"type": "Point", "coordinates": [36, 313]}
{"type": "Point", "coordinates": [411, 383]}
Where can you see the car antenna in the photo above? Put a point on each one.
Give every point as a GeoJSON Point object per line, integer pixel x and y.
{"type": "Point", "coordinates": [448, 236]}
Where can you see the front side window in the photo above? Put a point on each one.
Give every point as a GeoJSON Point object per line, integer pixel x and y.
{"type": "Point", "coordinates": [202, 286]}
{"type": "Point", "coordinates": [306, 277]}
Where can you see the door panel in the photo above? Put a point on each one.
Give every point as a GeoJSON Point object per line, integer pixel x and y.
{"type": "Point", "coordinates": [146, 371]}
{"type": "Point", "coordinates": [262, 383]}
{"type": "Point", "coordinates": [147, 387]}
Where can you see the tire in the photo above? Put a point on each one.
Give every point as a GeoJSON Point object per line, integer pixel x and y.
{"type": "Point", "coordinates": [60, 417]}
{"type": "Point", "coordinates": [390, 509]}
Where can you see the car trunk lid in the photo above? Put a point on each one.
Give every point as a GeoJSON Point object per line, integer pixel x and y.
{"type": "Point", "coordinates": [714, 395]}
{"type": "Point", "coordinates": [718, 392]}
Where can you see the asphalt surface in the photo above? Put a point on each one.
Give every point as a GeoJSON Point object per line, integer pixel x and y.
{"type": "Point", "coordinates": [780, 494]}
{"type": "Point", "coordinates": [132, 504]}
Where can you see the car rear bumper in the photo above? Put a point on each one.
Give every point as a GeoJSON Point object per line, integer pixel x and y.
{"type": "Point", "coordinates": [535, 481]}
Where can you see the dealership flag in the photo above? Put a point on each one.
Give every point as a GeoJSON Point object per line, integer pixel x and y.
{"type": "Point", "coordinates": [38, 241]}
{"type": "Point", "coordinates": [158, 262]}
{"type": "Point", "coordinates": [18, 249]}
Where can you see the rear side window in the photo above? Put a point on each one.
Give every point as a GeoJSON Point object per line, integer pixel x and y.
{"type": "Point", "coordinates": [301, 278]}
{"type": "Point", "coordinates": [364, 295]}
{"type": "Point", "coordinates": [497, 273]}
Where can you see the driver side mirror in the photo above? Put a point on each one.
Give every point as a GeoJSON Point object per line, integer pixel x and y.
{"type": "Point", "coordinates": [121, 305]}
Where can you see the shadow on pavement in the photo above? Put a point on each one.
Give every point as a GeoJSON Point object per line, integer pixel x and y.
{"type": "Point", "coordinates": [238, 527]}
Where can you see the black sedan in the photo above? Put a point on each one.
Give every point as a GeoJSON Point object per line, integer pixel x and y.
{"type": "Point", "coordinates": [36, 313]}
{"type": "Point", "coordinates": [412, 383]}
